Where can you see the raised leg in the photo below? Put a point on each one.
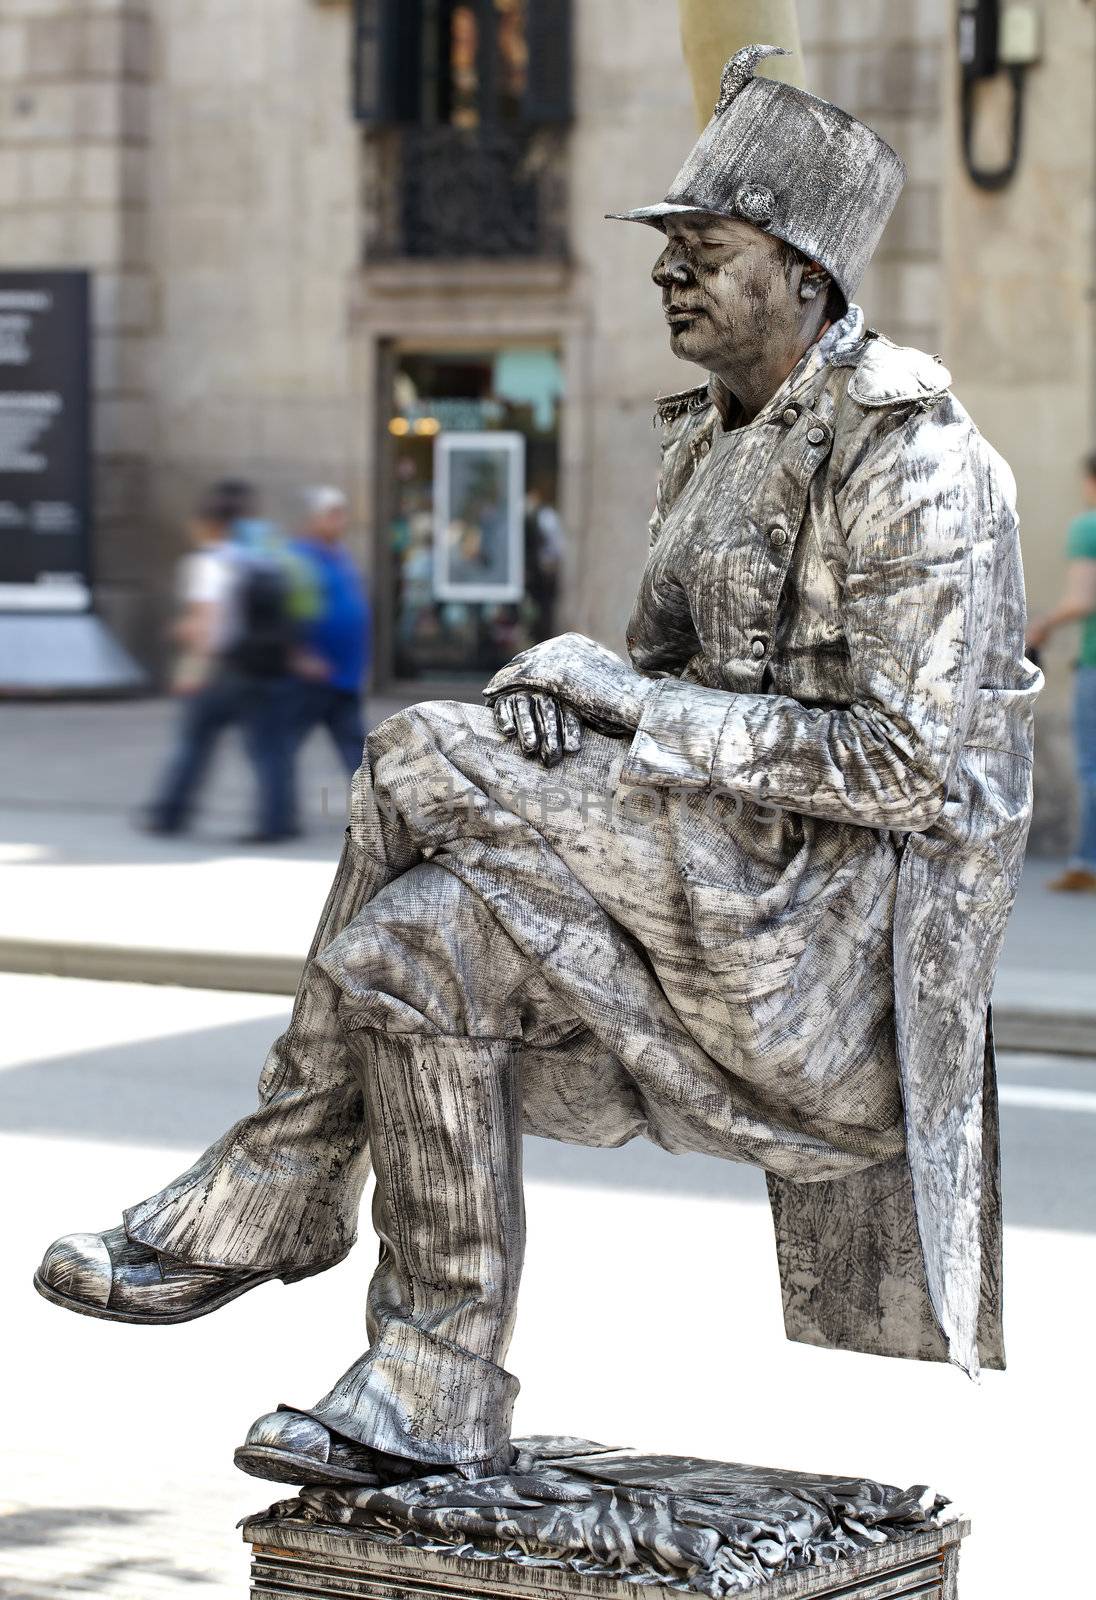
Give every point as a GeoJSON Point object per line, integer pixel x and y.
{"type": "Point", "coordinates": [276, 1196]}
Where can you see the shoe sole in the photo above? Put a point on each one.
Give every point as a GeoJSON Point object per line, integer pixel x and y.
{"type": "Point", "coordinates": [154, 1319]}
{"type": "Point", "coordinates": [284, 1466]}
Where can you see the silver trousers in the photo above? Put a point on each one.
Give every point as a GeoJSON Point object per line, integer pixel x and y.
{"type": "Point", "coordinates": [449, 1212]}
{"type": "Point", "coordinates": [473, 958]}
{"type": "Point", "coordinates": [443, 1110]}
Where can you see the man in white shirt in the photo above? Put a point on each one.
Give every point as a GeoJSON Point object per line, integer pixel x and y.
{"type": "Point", "coordinates": [223, 685]}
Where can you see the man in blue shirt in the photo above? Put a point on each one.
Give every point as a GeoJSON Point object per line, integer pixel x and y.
{"type": "Point", "coordinates": [335, 639]}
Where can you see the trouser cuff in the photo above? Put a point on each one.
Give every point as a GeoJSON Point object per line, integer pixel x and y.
{"type": "Point", "coordinates": [415, 1395]}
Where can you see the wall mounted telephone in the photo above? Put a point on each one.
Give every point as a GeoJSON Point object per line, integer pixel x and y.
{"type": "Point", "coordinates": [992, 38]}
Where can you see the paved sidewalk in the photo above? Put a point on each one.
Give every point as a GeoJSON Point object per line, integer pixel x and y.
{"type": "Point", "coordinates": [83, 893]}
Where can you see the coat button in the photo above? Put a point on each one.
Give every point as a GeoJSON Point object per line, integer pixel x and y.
{"type": "Point", "coordinates": [757, 649]}
{"type": "Point", "coordinates": [816, 436]}
{"type": "Point", "coordinates": [704, 446]}
{"type": "Point", "coordinates": [778, 536]}
{"type": "Point", "coordinates": [790, 415]}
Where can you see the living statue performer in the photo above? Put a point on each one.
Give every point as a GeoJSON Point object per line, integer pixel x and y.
{"type": "Point", "coordinates": [742, 894]}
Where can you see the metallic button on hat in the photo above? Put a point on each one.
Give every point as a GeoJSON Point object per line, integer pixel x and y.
{"type": "Point", "coordinates": [757, 649]}
{"type": "Point", "coordinates": [756, 204]}
{"type": "Point", "coordinates": [778, 535]}
{"type": "Point", "coordinates": [789, 416]}
{"type": "Point", "coordinates": [816, 436]}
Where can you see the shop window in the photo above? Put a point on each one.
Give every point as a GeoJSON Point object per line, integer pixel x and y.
{"type": "Point", "coordinates": [473, 540]}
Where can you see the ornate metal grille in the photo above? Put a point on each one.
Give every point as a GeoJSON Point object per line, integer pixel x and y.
{"type": "Point", "coordinates": [456, 192]}
{"type": "Point", "coordinates": [467, 102]}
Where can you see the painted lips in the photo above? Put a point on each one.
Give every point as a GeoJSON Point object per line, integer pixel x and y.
{"type": "Point", "coordinates": [681, 316]}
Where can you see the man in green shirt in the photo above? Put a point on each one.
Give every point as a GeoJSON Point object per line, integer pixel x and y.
{"type": "Point", "coordinates": [1078, 604]}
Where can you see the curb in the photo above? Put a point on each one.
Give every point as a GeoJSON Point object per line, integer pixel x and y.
{"type": "Point", "coordinates": [1055, 1026]}
{"type": "Point", "coordinates": [1018, 1027]}
{"type": "Point", "coordinates": [119, 963]}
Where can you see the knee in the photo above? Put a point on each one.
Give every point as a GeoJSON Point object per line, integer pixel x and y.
{"type": "Point", "coordinates": [412, 722]}
{"type": "Point", "coordinates": [437, 725]}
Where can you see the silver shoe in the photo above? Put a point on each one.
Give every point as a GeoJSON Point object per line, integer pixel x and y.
{"type": "Point", "coordinates": [291, 1447]}
{"type": "Point", "coordinates": [108, 1275]}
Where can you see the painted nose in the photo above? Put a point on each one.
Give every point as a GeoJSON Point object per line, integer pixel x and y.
{"type": "Point", "coordinates": [671, 270]}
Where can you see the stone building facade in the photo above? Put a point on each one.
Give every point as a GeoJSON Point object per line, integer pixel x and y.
{"type": "Point", "coordinates": [202, 159]}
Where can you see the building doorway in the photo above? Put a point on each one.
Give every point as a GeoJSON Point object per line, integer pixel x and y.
{"type": "Point", "coordinates": [472, 546]}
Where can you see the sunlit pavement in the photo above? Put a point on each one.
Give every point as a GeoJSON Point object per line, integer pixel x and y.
{"type": "Point", "coordinates": [650, 1315]}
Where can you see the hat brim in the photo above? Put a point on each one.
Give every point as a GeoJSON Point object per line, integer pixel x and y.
{"type": "Point", "coordinates": [656, 214]}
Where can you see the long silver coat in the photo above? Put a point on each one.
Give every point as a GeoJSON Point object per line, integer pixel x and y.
{"type": "Point", "coordinates": [848, 567]}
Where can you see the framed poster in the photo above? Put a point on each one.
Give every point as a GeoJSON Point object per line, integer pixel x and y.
{"type": "Point", "coordinates": [479, 493]}
{"type": "Point", "coordinates": [45, 478]}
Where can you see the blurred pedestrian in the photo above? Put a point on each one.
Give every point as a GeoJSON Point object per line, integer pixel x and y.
{"type": "Point", "coordinates": [1078, 604]}
{"type": "Point", "coordinates": [543, 559]}
{"type": "Point", "coordinates": [204, 589]}
{"type": "Point", "coordinates": [236, 633]}
{"type": "Point", "coordinates": [333, 651]}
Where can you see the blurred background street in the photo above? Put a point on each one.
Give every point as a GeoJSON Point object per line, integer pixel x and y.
{"type": "Point", "coordinates": [312, 437]}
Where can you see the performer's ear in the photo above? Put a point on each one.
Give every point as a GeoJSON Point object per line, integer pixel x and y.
{"type": "Point", "coordinates": [815, 281]}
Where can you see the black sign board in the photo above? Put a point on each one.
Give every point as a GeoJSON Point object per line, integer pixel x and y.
{"type": "Point", "coordinates": [45, 478]}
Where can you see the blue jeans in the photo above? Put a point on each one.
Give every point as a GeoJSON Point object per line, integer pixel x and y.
{"type": "Point", "coordinates": [1084, 737]}
{"type": "Point", "coordinates": [339, 711]}
{"type": "Point", "coordinates": [315, 705]}
{"type": "Point", "coordinates": [261, 708]}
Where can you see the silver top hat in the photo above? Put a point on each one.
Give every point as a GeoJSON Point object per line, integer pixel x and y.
{"type": "Point", "coordinates": [791, 164]}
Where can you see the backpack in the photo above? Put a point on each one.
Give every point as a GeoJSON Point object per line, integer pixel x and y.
{"type": "Point", "coordinates": [265, 627]}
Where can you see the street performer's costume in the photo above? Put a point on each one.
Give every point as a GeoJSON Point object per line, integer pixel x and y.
{"type": "Point", "coordinates": [763, 926]}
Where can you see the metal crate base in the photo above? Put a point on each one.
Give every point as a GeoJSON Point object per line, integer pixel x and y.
{"type": "Point", "coordinates": [319, 1563]}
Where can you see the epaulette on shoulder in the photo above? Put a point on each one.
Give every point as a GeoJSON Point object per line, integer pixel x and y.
{"type": "Point", "coordinates": [671, 407]}
{"type": "Point", "coordinates": [892, 374]}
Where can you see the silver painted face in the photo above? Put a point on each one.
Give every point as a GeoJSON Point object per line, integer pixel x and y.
{"type": "Point", "coordinates": [727, 294]}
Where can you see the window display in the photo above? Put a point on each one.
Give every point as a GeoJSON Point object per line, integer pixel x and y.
{"type": "Point", "coordinates": [473, 540]}
{"type": "Point", "coordinates": [479, 483]}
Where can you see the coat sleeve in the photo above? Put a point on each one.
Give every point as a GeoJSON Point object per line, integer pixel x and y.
{"type": "Point", "coordinates": [918, 515]}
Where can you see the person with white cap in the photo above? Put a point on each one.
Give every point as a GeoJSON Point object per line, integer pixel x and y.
{"type": "Point", "coordinates": [332, 658]}
{"type": "Point", "coordinates": [740, 894]}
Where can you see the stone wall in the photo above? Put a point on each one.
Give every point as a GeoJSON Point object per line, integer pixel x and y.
{"type": "Point", "coordinates": [75, 185]}
{"type": "Point", "coordinates": [887, 62]}
{"type": "Point", "coordinates": [255, 245]}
